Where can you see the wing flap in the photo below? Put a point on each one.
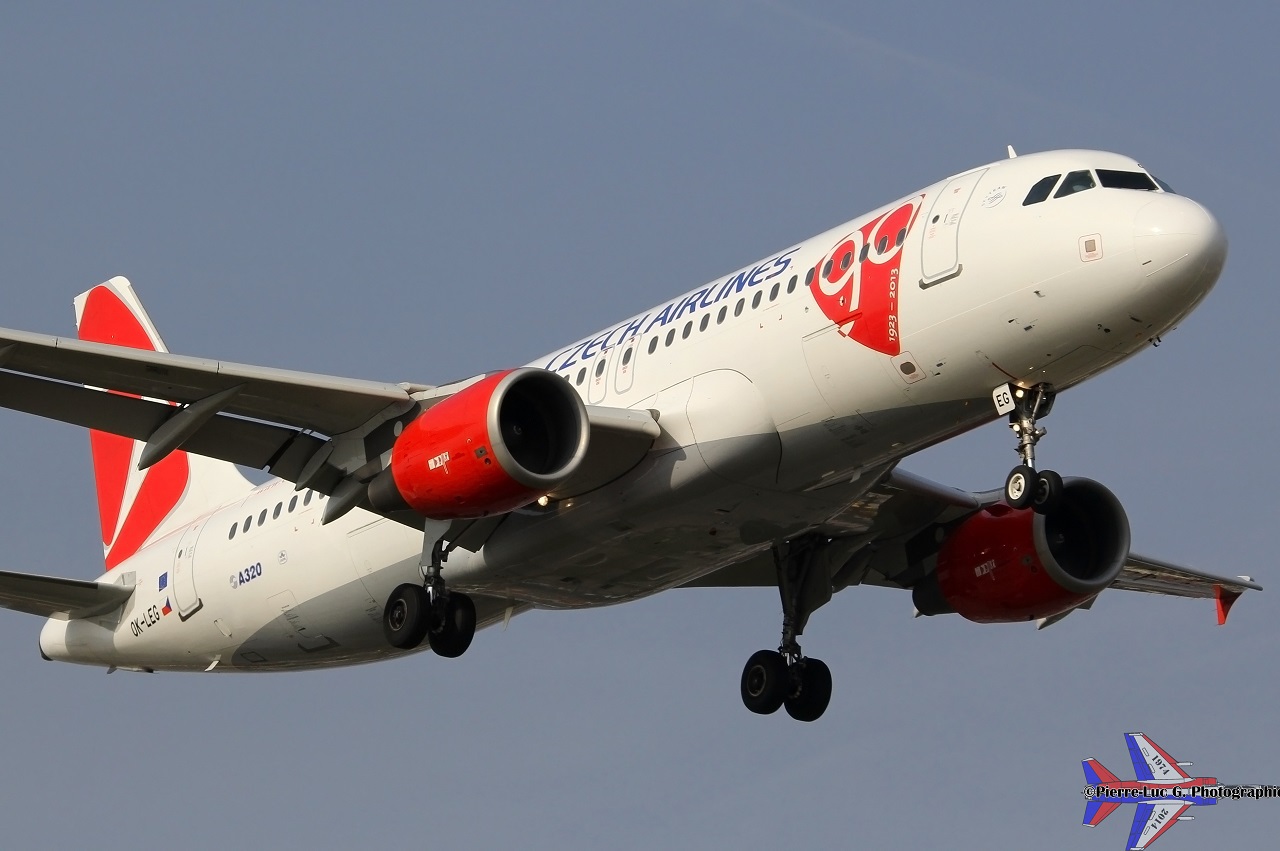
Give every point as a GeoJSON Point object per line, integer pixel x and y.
{"type": "Point", "coordinates": [305, 400]}
{"type": "Point", "coordinates": [1142, 573]}
{"type": "Point", "coordinates": [55, 597]}
{"type": "Point", "coordinates": [281, 450]}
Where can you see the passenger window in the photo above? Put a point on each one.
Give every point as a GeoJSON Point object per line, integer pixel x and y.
{"type": "Point", "coordinates": [755, 300]}
{"type": "Point", "coordinates": [826, 270]}
{"type": "Point", "coordinates": [1041, 190]}
{"type": "Point", "coordinates": [232, 533]}
{"type": "Point", "coordinates": [275, 515]}
{"type": "Point", "coordinates": [1111, 179]}
{"type": "Point", "coordinates": [706, 320]}
{"type": "Point", "coordinates": [600, 368]}
{"type": "Point", "coordinates": [671, 336]}
{"type": "Point", "coordinates": [808, 278]}
{"type": "Point", "coordinates": [293, 503]}
{"type": "Point", "coordinates": [862, 255]}
{"type": "Point", "coordinates": [688, 326]}
{"type": "Point", "coordinates": [626, 357]}
{"type": "Point", "coordinates": [737, 308]}
{"type": "Point", "coordinates": [902, 237]}
{"type": "Point", "coordinates": [846, 260]}
{"type": "Point", "coordinates": [653, 345]}
{"type": "Point", "coordinates": [306, 500]}
{"type": "Point", "coordinates": [248, 521]}
{"type": "Point", "coordinates": [1076, 181]}
{"type": "Point", "coordinates": [262, 518]}
{"type": "Point", "coordinates": [791, 285]}
{"type": "Point", "coordinates": [721, 315]}
{"type": "Point", "coordinates": [773, 293]}
{"type": "Point", "coordinates": [582, 374]}
{"type": "Point", "coordinates": [883, 245]}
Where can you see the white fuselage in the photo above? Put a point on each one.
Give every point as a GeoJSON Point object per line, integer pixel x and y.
{"type": "Point", "coordinates": [776, 410]}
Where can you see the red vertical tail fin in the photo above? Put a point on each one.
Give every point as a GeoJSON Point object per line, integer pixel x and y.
{"type": "Point", "coordinates": [137, 506]}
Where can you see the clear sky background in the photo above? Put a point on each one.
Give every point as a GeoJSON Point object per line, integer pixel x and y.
{"type": "Point", "coordinates": [417, 192]}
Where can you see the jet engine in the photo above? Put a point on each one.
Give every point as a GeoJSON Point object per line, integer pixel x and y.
{"type": "Point", "coordinates": [490, 448]}
{"type": "Point", "coordinates": [1002, 565]}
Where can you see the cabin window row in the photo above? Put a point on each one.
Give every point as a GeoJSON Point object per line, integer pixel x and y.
{"type": "Point", "coordinates": [275, 513]}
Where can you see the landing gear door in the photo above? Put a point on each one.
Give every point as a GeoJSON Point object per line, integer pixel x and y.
{"type": "Point", "coordinates": [940, 250]}
{"type": "Point", "coordinates": [186, 600]}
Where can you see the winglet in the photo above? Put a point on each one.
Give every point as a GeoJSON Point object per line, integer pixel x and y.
{"type": "Point", "coordinates": [1225, 599]}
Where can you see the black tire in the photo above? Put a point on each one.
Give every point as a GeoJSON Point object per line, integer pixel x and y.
{"type": "Point", "coordinates": [1020, 486]}
{"type": "Point", "coordinates": [766, 681]}
{"type": "Point", "coordinates": [452, 636]}
{"type": "Point", "coordinates": [1048, 492]}
{"type": "Point", "coordinates": [405, 619]}
{"type": "Point", "coordinates": [815, 691]}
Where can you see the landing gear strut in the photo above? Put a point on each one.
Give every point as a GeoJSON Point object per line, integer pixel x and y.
{"type": "Point", "coordinates": [447, 619]}
{"type": "Point", "coordinates": [784, 677]}
{"type": "Point", "coordinates": [1024, 487]}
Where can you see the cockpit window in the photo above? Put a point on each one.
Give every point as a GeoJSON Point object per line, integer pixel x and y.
{"type": "Point", "coordinates": [1111, 179]}
{"type": "Point", "coordinates": [1166, 187]}
{"type": "Point", "coordinates": [1041, 190]}
{"type": "Point", "coordinates": [1076, 181]}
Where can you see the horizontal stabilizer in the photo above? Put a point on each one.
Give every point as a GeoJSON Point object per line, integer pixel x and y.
{"type": "Point", "coordinates": [1095, 812]}
{"type": "Point", "coordinates": [54, 597]}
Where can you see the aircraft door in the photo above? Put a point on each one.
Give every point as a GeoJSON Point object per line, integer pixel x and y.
{"type": "Point", "coordinates": [186, 600]}
{"type": "Point", "coordinates": [624, 372]}
{"type": "Point", "coordinates": [940, 250]}
{"type": "Point", "coordinates": [598, 380]}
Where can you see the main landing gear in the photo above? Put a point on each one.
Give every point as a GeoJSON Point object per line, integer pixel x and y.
{"type": "Point", "coordinates": [1025, 487]}
{"type": "Point", "coordinates": [431, 612]}
{"type": "Point", "coordinates": [784, 677]}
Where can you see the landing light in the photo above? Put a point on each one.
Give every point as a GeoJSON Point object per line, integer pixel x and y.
{"type": "Point", "coordinates": [544, 500]}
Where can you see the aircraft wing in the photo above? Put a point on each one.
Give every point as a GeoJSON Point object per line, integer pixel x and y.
{"type": "Point", "coordinates": [1151, 821]}
{"type": "Point", "coordinates": [1150, 761]}
{"type": "Point", "coordinates": [318, 431]}
{"type": "Point", "coordinates": [902, 504]}
{"type": "Point", "coordinates": [53, 597]}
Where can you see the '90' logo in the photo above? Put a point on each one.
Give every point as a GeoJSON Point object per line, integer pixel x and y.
{"type": "Point", "coordinates": [857, 284]}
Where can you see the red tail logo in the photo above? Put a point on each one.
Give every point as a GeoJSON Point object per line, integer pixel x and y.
{"type": "Point", "coordinates": [857, 284]}
{"type": "Point", "coordinates": [144, 499]}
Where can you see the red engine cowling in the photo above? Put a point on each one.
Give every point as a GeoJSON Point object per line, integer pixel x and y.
{"type": "Point", "coordinates": [1003, 565]}
{"type": "Point", "coordinates": [495, 446]}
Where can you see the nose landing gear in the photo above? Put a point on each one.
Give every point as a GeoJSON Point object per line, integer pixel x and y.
{"type": "Point", "coordinates": [1025, 487]}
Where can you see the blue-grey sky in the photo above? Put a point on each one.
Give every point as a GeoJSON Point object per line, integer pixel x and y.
{"type": "Point", "coordinates": [423, 191]}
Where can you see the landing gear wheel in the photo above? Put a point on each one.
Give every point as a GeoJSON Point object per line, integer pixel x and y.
{"type": "Point", "coordinates": [405, 619]}
{"type": "Point", "coordinates": [810, 701]}
{"type": "Point", "coordinates": [766, 682]}
{"type": "Point", "coordinates": [1020, 487]}
{"type": "Point", "coordinates": [1048, 491]}
{"type": "Point", "coordinates": [453, 626]}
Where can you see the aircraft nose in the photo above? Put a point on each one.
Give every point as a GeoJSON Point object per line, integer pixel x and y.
{"type": "Point", "coordinates": [1179, 242]}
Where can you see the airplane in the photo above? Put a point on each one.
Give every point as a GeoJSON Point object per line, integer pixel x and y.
{"type": "Point", "coordinates": [745, 433]}
{"type": "Point", "coordinates": [1162, 791]}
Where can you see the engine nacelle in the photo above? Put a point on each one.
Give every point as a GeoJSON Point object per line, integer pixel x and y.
{"type": "Point", "coordinates": [1003, 565]}
{"type": "Point", "coordinates": [490, 448]}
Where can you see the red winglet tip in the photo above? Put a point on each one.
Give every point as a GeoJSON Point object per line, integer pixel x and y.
{"type": "Point", "coordinates": [1226, 599]}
